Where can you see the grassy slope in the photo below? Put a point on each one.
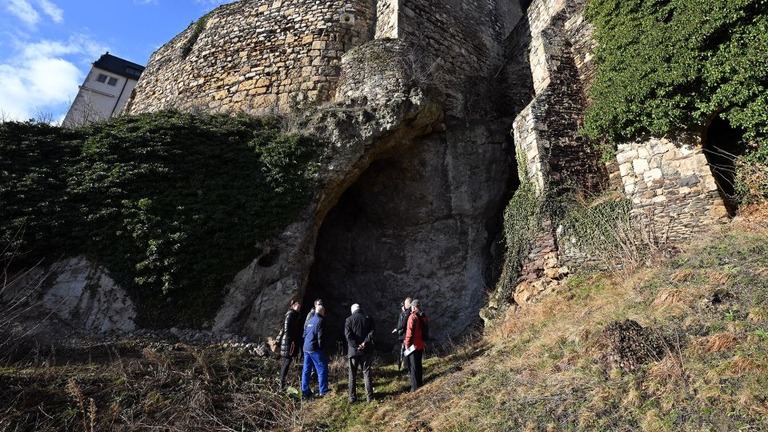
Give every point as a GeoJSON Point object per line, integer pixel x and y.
{"type": "Point", "coordinates": [539, 369]}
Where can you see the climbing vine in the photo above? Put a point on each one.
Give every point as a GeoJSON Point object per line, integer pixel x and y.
{"type": "Point", "coordinates": [670, 65]}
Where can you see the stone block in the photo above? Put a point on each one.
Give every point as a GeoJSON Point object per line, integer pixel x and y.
{"type": "Point", "coordinates": [640, 166]}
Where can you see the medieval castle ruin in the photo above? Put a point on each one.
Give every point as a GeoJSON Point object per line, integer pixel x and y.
{"type": "Point", "coordinates": [434, 105]}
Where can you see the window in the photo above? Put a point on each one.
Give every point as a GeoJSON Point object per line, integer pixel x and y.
{"type": "Point", "coordinates": [107, 80]}
{"type": "Point", "coordinates": [132, 71]}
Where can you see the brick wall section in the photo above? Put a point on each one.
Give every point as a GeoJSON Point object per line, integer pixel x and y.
{"type": "Point", "coordinates": [256, 56]}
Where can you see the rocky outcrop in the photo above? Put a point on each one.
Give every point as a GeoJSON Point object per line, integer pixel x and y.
{"type": "Point", "coordinates": [76, 292]}
{"type": "Point", "coordinates": [417, 100]}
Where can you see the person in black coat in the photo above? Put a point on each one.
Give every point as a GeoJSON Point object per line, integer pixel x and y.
{"type": "Point", "coordinates": [402, 323]}
{"type": "Point", "coordinates": [358, 330]}
{"type": "Point", "coordinates": [290, 340]}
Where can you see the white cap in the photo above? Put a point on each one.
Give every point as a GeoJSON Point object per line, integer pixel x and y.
{"type": "Point", "coordinates": [355, 307]}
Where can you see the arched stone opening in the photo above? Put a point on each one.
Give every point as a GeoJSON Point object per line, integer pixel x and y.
{"type": "Point", "coordinates": [426, 224]}
{"type": "Point", "coordinates": [722, 145]}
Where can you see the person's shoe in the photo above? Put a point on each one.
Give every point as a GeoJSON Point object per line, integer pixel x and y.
{"type": "Point", "coordinates": [352, 400]}
{"type": "Point", "coordinates": [306, 396]}
{"type": "Point", "coordinates": [371, 399]}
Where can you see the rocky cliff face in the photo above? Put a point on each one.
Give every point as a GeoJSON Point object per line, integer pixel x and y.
{"type": "Point", "coordinates": [426, 106]}
{"type": "Point", "coordinates": [411, 201]}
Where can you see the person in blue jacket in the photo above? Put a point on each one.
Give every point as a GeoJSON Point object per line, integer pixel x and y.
{"type": "Point", "coordinates": [314, 355]}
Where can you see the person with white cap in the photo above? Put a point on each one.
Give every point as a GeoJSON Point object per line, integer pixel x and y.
{"type": "Point", "coordinates": [358, 330]}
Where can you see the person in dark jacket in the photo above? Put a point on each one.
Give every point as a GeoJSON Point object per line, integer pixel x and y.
{"type": "Point", "coordinates": [402, 322]}
{"type": "Point", "coordinates": [414, 342]}
{"type": "Point", "coordinates": [311, 313]}
{"type": "Point", "coordinates": [314, 355]}
{"type": "Point", "coordinates": [358, 330]}
{"type": "Point", "coordinates": [290, 340]}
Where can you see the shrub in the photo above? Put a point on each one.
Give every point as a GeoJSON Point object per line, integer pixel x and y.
{"type": "Point", "coordinates": [172, 204]}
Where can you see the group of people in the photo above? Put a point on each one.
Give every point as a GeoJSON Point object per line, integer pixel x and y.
{"type": "Point", "coordinates": [358, 331]}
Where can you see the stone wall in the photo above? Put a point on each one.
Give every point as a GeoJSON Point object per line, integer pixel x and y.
{"type": "Point", "coordinates": [671, 186]}
{"type": "Point", "coordinates": [373, 72]}
{"type": "Point", "coordinates": [546, 131]}
{"type": "Point", "coordinates": [255, 56]}
{"type": "Point", "coordinates": [454, 46]}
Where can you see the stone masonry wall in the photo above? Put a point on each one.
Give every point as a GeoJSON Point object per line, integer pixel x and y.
{"type": "Point", "coordinates": [372, 72]}
{"type": "Point", "coordinates": [546, 131]}
{"type": "Point", "coordinates": [673, 192]}
{"type": "Point", "coordinates": [255, 56]}
{"type": "Point", "coordinates": [671, 186]}
{"type": "Point", "coordinates": [455, 45]}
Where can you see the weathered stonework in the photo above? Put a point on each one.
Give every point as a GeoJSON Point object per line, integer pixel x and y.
{"type": "Point", "coordinates": [671, 186]}
{"type": "Point", "coordinates": [417, 98]}
{"type": "Point", "coordinates": [255, 56]}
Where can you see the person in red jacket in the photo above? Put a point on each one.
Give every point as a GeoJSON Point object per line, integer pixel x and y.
{"type": "Point", "coordinates": [414, 342]}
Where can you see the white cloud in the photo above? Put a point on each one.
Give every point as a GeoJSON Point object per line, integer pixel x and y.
{"type": "Point", "coordinates": [53, 11]}
{"type": "Point", "coordinates": [42, 78]}
{"type": "Point", "coordinates": [24, 11]}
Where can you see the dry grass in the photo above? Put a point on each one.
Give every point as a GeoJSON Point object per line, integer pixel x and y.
{"type": "Point", "coordinates": [536, 369]}
{"type": "Point", "coordinates": [717, 343]}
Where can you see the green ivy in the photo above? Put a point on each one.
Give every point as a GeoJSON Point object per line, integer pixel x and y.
{"type": "Point", "coordinates": [197, 29]}
{"type": "Point", "coordinates": [666, 66]}
{"type": "Point", "coordinates": [172, 204]}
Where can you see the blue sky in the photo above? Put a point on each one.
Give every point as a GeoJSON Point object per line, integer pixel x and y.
{"type": "Point", "coordinates": [47, 46]}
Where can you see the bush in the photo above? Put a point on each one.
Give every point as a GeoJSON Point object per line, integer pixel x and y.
{"type": "Point", "coordinates": [672, 65]}
{"type": "Point", "coordinates": [172, 204]}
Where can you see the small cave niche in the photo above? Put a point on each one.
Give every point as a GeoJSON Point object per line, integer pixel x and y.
{"type": "Point", "coordinates": [269, 258]}
{"type": "Point", "coordinates": [722, 144]}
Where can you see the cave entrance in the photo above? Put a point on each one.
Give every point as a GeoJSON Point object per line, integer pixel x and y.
{"type": "Point", "coordinates": [426, 224]}
{"type": "Point", "coordinates": [722, 145]}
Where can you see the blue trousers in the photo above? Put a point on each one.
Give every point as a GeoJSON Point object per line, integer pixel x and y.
{"type": "Point", "coordinates": [317, 360]}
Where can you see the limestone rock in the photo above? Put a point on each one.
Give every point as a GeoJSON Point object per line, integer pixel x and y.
{"type": "Point", "coordinates": [85, 296]}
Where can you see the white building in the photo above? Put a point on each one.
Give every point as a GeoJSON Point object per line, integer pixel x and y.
{"type": "Point", "coordinates": [104, 92]}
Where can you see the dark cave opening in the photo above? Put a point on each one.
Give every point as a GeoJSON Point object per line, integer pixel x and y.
{"type": "Point", "coordinates": [722, 145]}
{"type": "Point", "coordinates": [426, 224]}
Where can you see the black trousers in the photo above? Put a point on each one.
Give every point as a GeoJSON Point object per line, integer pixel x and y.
{"type": "Point", "coordinates": [285, 364]}
{"type": "Point", "coordinates": [365, 362]}
{"type": "Point", "coordinates": [414, 362]}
